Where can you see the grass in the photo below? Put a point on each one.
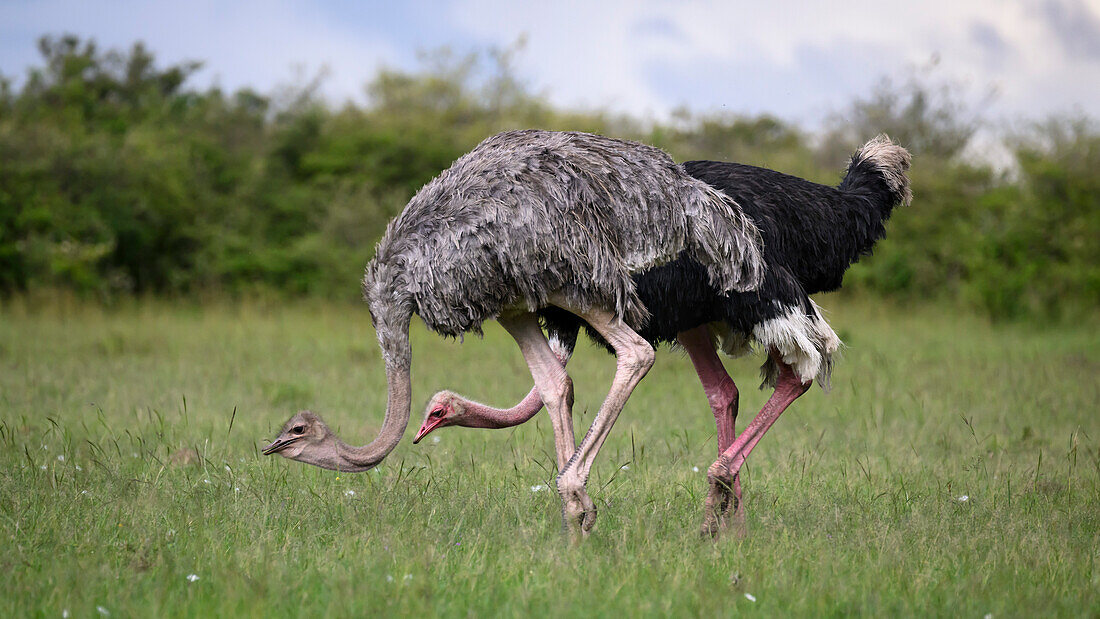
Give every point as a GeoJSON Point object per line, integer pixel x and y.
{"type": "Point", "coordinates": [855, 499]}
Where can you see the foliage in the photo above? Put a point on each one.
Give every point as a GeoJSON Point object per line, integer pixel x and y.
{"type": "Point", "coordinates": [117, 178]}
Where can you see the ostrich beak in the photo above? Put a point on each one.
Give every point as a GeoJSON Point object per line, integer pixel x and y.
{"type": "Point", "coordinates": [279, 445]}
{"type": "Point", "coordinates": [430, 424]}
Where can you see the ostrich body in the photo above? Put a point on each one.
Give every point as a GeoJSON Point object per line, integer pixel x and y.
{"type": "Point", "coordinates": [525, 221]}
{"type": "Point", "coordinates": [811, 234]}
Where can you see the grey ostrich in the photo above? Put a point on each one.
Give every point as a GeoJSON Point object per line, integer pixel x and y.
{"type": "Point", "coordinates": [526, 221]}
{"type": "Point", "coordinates": [811, 234]}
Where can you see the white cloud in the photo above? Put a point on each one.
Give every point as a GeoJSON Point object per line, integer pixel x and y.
{"type": "Point", "coordinates": [797, 58]}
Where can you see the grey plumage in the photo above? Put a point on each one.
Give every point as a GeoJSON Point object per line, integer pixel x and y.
{"type": "Point", "coordinates": [527, 214]}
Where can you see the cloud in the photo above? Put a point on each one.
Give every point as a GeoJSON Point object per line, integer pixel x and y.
{"type": "Point", "coordinates": [659, 27]}
{"type": "Point", "coordinates": [816, 80]}
{"type": "Point", "coordinates": [1075, 27]}
{"type": "Point", "coordinates": [986, 36]}
{"type": "Point", "coordinates": [800, 60]}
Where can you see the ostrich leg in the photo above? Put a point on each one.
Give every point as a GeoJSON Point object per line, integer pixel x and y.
{"type": "Point", "coordinates": [723, 397]}
{"type": "Point", "coordinates": [531, 403]}
{"type": "Point", "coordinates": [552, 383]}
{"type": "Point", "coordinates": [634, 357]}
{"type": "Point", "coordinates": [478, 415]}
{"type": "Point", "coordinates": [721, 474]}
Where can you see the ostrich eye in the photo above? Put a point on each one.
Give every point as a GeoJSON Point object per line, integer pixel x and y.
{"type": "Point", "coordinates": [438, 412]}
{"type": "Point", "coordinates": [298, 429]}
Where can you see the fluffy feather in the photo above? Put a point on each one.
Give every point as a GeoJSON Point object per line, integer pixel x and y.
{"type": "Point", "coordinates": [527, 214]}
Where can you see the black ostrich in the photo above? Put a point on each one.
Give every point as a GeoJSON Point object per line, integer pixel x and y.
{"type": "Point", "coordinates": [811, 235]}
{"type": "Point", "coordinates": [526, 221]}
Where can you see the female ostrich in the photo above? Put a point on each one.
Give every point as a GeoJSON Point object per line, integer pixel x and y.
{"type": "Point", "coordinates": [811, 235]}
{"type": "Point", "coordinates": [525, 221]}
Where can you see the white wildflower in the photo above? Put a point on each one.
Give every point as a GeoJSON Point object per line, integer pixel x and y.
{"type": "Point", "coordinates": [133, 454]}
{"type": "Point", "coordinates": [964, 498]}
{"type": "Point", "coordinates": [435, 439]}
{"type": "Point", "coordinates": [43, 467]}
{"type": "Point", "coordinates": [227, 469]}
{"type": "Point", "coordinates": [61, 458]}
{"type": "Point", "coordinates": [389, 578]}
{"type": "Point", "coordinates": [78, 468]}
{"type": "Point", "coordinates": [236, 489]}
{"type": "Point", "coordinates": [65, 614]}
{"type": "Point", "coordinates": [537, 487]}
{"type": "Point", "coordinates": [192, 577]}
{"type": "Point", "coordinates": [206, 481]}
{"type": "Point", "coordinates": [625, 467]}
{"type": "Point", "coordinates": [83, 492]}
{"type": "Point", "coordinates": [750, 597]}
{"type": "Point", "coordinates": [408, 577]}
{"type": "Point", "coordinates": [349, 493]}
{"type": "Point", "coordinates": [103, 611]}
{"type": "Point", "coordinates": [694, 469]}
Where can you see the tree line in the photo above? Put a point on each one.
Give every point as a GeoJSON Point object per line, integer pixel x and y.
{"type": "Point", "coordinates": [118, 178]}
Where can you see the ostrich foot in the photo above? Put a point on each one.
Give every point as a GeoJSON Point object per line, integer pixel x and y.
{"type": "Point", "coordinates": [723, 508]}
{"type": "Point", "coordinates": [578, 511]}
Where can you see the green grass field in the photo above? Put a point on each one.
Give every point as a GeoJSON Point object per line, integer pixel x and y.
{"type": "Point", "coordinates": [954, 469]}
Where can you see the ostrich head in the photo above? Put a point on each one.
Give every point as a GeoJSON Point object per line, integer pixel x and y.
{"type": "Point", "coordinates": [305, 438]}
{"type": "Point", "coordinates": [444, 409]}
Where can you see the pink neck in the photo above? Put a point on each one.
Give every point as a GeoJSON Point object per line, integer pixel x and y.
{"type": "Point", "coordinates": [483, 416]}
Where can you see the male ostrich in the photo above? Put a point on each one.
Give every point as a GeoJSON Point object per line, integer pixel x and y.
{"type": "Point", "coordinates": [530, 220]}
{"type": "Point", "coordinates": [811, 235]}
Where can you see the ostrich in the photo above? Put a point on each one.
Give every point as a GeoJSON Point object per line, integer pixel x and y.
{"type": "Point", "coordinates": [811, 235]}
{"type": "Point", "coordinates": [526, 221]}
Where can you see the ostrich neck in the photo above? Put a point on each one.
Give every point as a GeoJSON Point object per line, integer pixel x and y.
{"type": "Point", "coordinates": [398, 404]}
{"type": "Point", "coordinates": [483, 416]}
{"type": "Point", "coordinates": [480, 415]}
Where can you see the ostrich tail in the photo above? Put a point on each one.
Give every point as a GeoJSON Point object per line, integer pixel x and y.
{"type": "Point", "coordinates": [880, 164]}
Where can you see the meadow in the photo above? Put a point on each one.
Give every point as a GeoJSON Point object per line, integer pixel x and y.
{"type": "Point", "coordinates": [953, 469]}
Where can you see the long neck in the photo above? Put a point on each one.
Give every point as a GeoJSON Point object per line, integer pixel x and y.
{"type": "Point", "coordinates": [391, 322]}
{"type": "Point", "coordinates": [563, 338]}
{"type": "Point", "coordinates": [483, 416]}
{"type": "Point", "coordinates": [398, 405]}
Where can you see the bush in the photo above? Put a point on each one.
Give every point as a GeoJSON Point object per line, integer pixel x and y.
{"type": "Point", "coordinates": [116, 178]}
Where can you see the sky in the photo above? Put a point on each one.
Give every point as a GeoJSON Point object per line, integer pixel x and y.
{"type": "Point", "coordinates": [800, 61]}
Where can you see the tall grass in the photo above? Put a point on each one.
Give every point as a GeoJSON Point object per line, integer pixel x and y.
{"type": "Point", "coordinates": [953, 469]}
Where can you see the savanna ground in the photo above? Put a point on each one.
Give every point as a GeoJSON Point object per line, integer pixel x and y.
{"type": "Point", "coordinates": [954, 469]}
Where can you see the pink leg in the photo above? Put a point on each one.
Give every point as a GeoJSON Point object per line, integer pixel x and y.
{"type": "Point", "coordinates": [551, 381]}
{"type": "Point", "coordinates": [723, 398]}
{"type": "Point", "coordinates": [717, 384]}
{"type": "Point", "coordinates": [724, 470]}
{"type": "Point", "coordinates": [633, 358]}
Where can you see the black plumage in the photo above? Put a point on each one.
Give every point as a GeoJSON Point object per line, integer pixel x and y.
{"type": "Point", "coordinates": [811, 234]}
